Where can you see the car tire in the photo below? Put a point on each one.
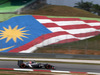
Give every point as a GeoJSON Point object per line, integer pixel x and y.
{"type": "Point", "coordinates": [22, 66]}
{"type": "Point", "coordinates": [48, 66]}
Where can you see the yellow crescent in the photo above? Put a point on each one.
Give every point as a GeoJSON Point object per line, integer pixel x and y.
{"type": "Point", "coordinates": [6, 48]}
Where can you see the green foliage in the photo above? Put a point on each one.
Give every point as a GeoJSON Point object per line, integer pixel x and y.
{"type": "Point", "coordinates": [96, 9]}
{"type": "Point", "coordinates": [19, 2]}
{"type": "Point", "coordinates": [84, 5]}
{"type": "Point", "coordinates": [88, 6]}
{"type": "Point", "coordinates": [3, 1]}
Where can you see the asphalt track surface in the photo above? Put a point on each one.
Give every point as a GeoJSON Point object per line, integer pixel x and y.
{"type": "Point", "coordinates": [59, 66]}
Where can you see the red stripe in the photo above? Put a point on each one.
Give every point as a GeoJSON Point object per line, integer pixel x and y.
{"type": "Point", "coordinates": [39, 17]}
{"type": "Point", "coordinates": [50, 25]}
{"type": "Point", "coordinates": [68, 26]}
{"type": "Point", "coordinates": [81, 26]}
{"type": "Point", "coordinates": [90, 21]}
{"type": "Point", "coordinates": [79, 72]}
{"type": "Point", "coordinates": [42, 70]}
{"type": "Point", "coordinates": [6, 69]}
{"type": "Point", "coordinates": [87, 34]}
{"type": "Point", "coordinates": [37, 41]}
{"type": "Point", "coordinates": [96, 27]}
{"type": "Point", "coordinates": [64, 19]}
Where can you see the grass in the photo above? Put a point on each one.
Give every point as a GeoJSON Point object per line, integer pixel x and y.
{"type": "Point", "coordinates": [4, 17]}
{"type": "Point", "coordinates": [7, 7]}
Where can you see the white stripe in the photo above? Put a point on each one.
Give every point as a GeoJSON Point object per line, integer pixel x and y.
{"type": "Point", "coordinates": [56, 29]}
{"type": "Point", "coordinates": [93, 73]}
{"type": "Point", "coordinates": [57, 60]}
{"type": "Point", "coordinates": [73, 31]}
{"type": "Point", "coordinates": [30, 50]}
{"type": "Point", "coordinates": [94, 24]}
{"type": "Point", "coordinates": [78, 31]}
{"type": "Point", "coordinates": [98, 30]}
{"type": "Point", "coordinates": [45, 20]}
{"type": "Point", "coordinates": [63, 23]}
{"type": "Point", "coordinates": [60, 71]}
{"type": "Point", "coordinates": [48, 42]}
{"type": "Point", "coordinates": [18, 69]}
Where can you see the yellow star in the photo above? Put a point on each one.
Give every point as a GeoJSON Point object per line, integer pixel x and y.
{"type": "Point", "coordinates": [13, 33]}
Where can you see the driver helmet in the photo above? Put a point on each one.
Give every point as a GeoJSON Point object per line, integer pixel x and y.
{"type": "Point", "coordinates": [30, 62]}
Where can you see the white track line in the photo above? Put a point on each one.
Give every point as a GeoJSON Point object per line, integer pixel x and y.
{"type": "Point", "coordinates": [55, 60]}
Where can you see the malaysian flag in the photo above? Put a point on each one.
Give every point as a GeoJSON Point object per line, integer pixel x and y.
{"type": "Point", "coordinates": [24, 34]}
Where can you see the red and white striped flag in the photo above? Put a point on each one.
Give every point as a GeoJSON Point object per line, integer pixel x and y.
{"type": "Point", "coordinates": [65, 30]}
{"type": "Point", "coordinates": [69, 29]}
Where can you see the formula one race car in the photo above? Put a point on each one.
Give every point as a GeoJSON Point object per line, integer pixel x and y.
{"type": "Point", "coordinates": [33, 64]}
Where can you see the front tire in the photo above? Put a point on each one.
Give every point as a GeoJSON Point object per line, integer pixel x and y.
{"type": "Point", "coordinates": [22, 66]}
